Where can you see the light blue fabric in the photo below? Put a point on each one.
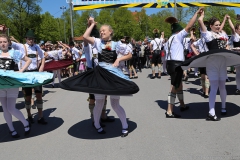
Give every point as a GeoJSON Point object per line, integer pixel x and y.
{"type": "Point", "coordinates": [113, 46]}
{"type": "Point", "coordinates": [16, 55]}
{"type": "Point", "coordinates": [27, 77]}
{"type": "Point", "coordinates": [113, 70]}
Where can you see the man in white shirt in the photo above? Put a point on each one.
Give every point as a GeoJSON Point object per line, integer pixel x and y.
{"type": "Point", "coordinates": [33, 51]}
{"type": "Point", "coordinates": [155, 48]}
{"type": "Point", "coordinates": [76, 57]}
{"type": "Point", "coordinates": [175, 56]}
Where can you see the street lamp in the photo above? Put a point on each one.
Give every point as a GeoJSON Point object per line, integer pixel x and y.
{"type": "Point", "coordinates": [175, 8]}
{"type": "Point", "coordinates": [71, 15]}
{"type": "Point", "coordinates": [63, 7]}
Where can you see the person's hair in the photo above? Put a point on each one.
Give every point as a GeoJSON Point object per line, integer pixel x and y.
{"type": "Point", "coordinates": [109, 27]}
{"type": "Point", "coordinates": [55, 46]}
{"type": "Point", "coordinates": [5, 36]}
{"type": "Point", "coordinates": [213, 20]}
{"type": "Point", "coordinates": [42, 44]}
{"type": "Point", "coordinates": [71, 44]}
{"type": "Point", "coordinates": [237, 26]}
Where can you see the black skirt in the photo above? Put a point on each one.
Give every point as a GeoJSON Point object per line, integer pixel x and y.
{"type": "Point", "coordinates": [99, 81]}
{"type": "Point", "coordinates": [232, 58]}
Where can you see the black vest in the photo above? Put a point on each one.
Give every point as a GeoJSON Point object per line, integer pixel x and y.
{"type": "Point", "coordinates": [7, 64]}
{"type": "Point", "coordinates": [216, 44]}
{"type": "Point", "coordinates": [107, 56]}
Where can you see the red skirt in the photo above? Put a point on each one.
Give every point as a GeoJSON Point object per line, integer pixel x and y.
{"type": "Point", "coordinates": [54, 65]}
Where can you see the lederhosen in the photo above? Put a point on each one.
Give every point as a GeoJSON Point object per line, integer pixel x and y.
{"type": "Point", "coordinates": [202, 70]}
{"type": "Point", "coordinates": [174, 69]}
{"type": "Point", "coordinates": [38, 89]}
{"type": "Point", "coordinates": [75, 64]}
{"type": "Point", "coordinates": [156, 58]}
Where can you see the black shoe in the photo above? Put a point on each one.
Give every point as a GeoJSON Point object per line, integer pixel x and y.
{"type": "Point", "coordinates": [52, 86]}
{"type": "Point", "coordinates": [184, 108]}
{"type": "Point", "coordinates": [164, 74]}
{"type": "Point", "coordinates": [124, 132]}
{"type": "Point", "coordinates": [223, 113]}
{"type": "Point", "coordinates": [237, 92]}
{"type": "Point", "coordinates": [152, 77]}
{"type": "Point", "coordinates": [100, 130]}
{"type": "Point", "coordinates": [101, 124]}
{"type": "Point", "coordinates": [29, 130]}
{"type": "Point", "coordinates": [206, 96]}
{"type": "Point", "coordinates": [212, 118]}
{"type": "Point", "coordinates": [15, 135]}
{"type": "Point", "coordinates": [159, 77]}
{"type": "Point", "coordinates": [42, 121]}
{"type": "Point", "coordinates": [108, 119]}
{"type": "Point", "coordinates": [173, 115]}
{"type": "Point", "coordinates": [228, 80]}
{"type": "Point", "coordinates": [30, 119]}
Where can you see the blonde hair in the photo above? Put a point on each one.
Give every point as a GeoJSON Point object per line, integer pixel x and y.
{"type": "Point", "coordinates": [109, 28]}
{"type": "Point", "coordinates": [5, 36]}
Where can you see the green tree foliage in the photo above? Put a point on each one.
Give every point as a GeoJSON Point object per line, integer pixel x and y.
{"type": "Point", "coordinates": [124, 23]}
{"type": "Point", "coordinates": [20, 15]}
{"type": "Point", "coordinates": [49, 28]}
{"type": "Point", "coordinates": [80, 23]}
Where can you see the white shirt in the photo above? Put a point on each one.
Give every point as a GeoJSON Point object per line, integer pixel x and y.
{"type": "Point", "coordinates": [75, 53]}
{"type": "Point", "coordinates": [176, 49]}
{"type": "Point", "coordinates": [235, 37]}
{"type": "Point", "coordinates": [55, 54]}
{"type": "Point", "coordinates": [209, 36]}
{"type": "Point", "coordinates": [157, 43]}
{"type": "Point", "coordinates": [88, 54]}
{"type": "Point", "coordinates": [201, 44]}
{"type": "Point", "coordinates": [34, 49]}
{"type": "Point", "coordinates": [186, 43]}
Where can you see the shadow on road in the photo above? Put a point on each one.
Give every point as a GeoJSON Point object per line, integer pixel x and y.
{"type": "Point", "coordinates": [36, 130]}
{"type": "Point", "coordinates": [85, 129]}
{"type": "Point", "coordinates": [200, 110]}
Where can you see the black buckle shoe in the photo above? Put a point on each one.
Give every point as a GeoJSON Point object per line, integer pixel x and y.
{"type": "Point", "coordinates": [124, 132]}
{"type": "Point", "coordinates": [28, 126]}
{"type": "Point", "coordinates": [15, 135]}
{"type": "Point", "coordinates": [30, 119]}
{"type": "Point", "coordinates": [100, 130]}
{"type": "Point", "coordinates": [223, 113]}
{"type": "Point", "coordinates": [108, 119]}
{"type": "Point", "coordinates": [237, 92]}
{"type": "Point", "coordinates": [173, 115]}
{"type": "Point", "coordinates": [184, 108]}
{"type": "Point", "coordinates": [42, 121]}
{"type": "Point", "coordinates": [212, 118]}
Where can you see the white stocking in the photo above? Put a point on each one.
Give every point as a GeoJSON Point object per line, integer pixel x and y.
{"type": "Point", "coordinates": [9, 109]}
{"type": "Point", "coordinates": [212, 96]}
{"type": "Point", "coordinates": [97, 111]}
{"type": "Point", "coordinates": [238, 77]}
{"type": "Point", "coordinates": [223, 94]}
{"type": "Point", "coordinates": [120, 112]}
{"type": "Point", "coordinates": [59, 75]}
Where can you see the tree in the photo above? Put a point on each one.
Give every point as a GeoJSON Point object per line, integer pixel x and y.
{"type": "Point", "coordinates": [49, 28]}
{"type": "Point", "coordinates": [21, 15]}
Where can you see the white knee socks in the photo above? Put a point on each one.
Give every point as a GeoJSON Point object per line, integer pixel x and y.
{"type": "Point", "coordinates": [9, 109]}
{"type": "Point", "coordinates": [97, 111]}
{"type": "Point", "coordinates": [120, 112]}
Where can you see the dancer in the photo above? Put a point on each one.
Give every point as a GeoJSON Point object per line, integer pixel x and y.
{"type": "Point", "coordinates": [175, 56]}
{"type": "Point", "coordinates": [236, 43]}
{"type": "Point", "coordinates": [89, 51]}
{"type": "Point", "coordinates": [110, 80]}
{"type": "Point", "coordinates": [11, 81]}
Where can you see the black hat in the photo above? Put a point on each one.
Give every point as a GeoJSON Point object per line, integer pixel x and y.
{"type": "Point", "coordinates": [30, 34]}
{"type": "Point", "coordinates": [176, 27]}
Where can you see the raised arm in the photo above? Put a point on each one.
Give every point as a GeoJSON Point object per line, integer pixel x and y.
{"type": "Point", "coordinates": [193, 20]}
{"type": "Point", "coordinates": [231, 25]}
{"type": "Point", "coordinates": [223, 22]}
{"type": "Point", "coordinates": [201, 23]}
{"type": "Point", "coordinates": [86, 36]}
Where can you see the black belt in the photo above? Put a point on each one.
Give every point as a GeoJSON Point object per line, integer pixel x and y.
{"type": "Point", "coordinates": [32, 55]}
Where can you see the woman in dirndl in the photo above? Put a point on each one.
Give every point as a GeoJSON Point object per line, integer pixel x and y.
{"type": "Point", "coordinates": [10, 82]}
{"type": "Point", "coordinates": [215, 64]}
{"type": "Point", "coordinates": [104, 79]}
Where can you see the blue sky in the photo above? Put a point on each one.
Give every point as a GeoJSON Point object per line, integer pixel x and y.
{"type": "Point", "coordinates": [54, 7]}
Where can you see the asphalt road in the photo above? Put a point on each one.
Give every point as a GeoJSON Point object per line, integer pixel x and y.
{"type": "Point", "coordinates": [70, 134]}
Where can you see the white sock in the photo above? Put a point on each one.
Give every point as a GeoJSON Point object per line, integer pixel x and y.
{"type": "Point", "coordinates": [212, 96]}
{"type": "Point", "coordinates": [120, 112]}
{"type": "Point", "coordinates": [97, 111]}
{"type": "Point", "coordinates": [223, 94]}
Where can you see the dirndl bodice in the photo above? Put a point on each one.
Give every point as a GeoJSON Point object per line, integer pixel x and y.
{"type": "Point", "coordinates": [219, 43]}
{"type": "Point", "coordinates": [107, 56]}
{"type": "Point", "coordinates": [7, 63]}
